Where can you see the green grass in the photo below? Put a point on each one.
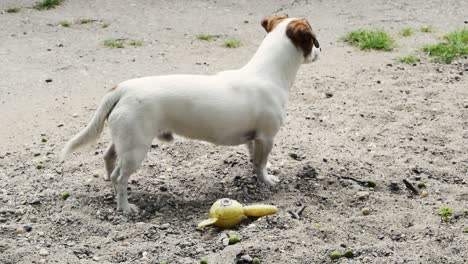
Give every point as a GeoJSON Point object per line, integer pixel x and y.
{"type": "Point", "coordinates": [407, 32]}
{"type": "Point", "coordinates": [135, 43]}
{"type": "Point", "coordinates": [426, 29]}
{"type": "Point", "coordinates": [205, 37]}
{"type": "Point", "coordinates": [114, 43]}
{"type": "Point", "coordinates": [120, 43]}
{"type": "Point", "coordinates": [370, 39]}
{"type": "Point", "coordinates": [13, 10]}
{"type": "Point", "coordinates": [47, 4]}
{"type": "Point", "coordinates": [232, 43]}
{"type": "Point", "coordinates": [65, 24]}
{"type": "Point", "coordinates": [446, 214]}
{"type": "Point", "coordinates": [409, 59]}
{"type": "Point", "coordinates": [454, 46]}
{"type": "Point", "coordinates": [85, 21]}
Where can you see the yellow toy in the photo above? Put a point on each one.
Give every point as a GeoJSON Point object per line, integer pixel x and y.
{"type": "Point", "coordinates": [227, 213]}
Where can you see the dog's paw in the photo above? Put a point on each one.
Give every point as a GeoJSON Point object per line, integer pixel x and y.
{"type": "Point", "coordinates": [269, 180]}
{"type": "Point", "coordinates": [130, 209]}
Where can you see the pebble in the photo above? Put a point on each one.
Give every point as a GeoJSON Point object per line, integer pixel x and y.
{"type": "Point", "coordinates": [42, 261]}
{"type": "Point", "coordinates": [43, 252]}
{"type": "Point", "coordinates": [185, 243]}
{"type": "Point", "coordinates": [424, 194]}
{"type": "Point", "coordinates": [164, 226]}
{"type": "Point", "coordinates": [247, 258]}
{"type": "Point", "coordinates": [225, 242]}
{"type": "Point", "coordinates": [362, 195]}
{"type": "Point", "coordinates": [75, 115]}
{"type": "Point", "coordinates": [48, 80]}
{"type": "Point", "coordinates": [27, 228]}
{"type": "Point", "coordinates": [96, 258]}
{"type": "Point", "coordinates": [20, 231]}
{"type": "Point", "coordinates": [365, 211]}
{"type": "Point", "coordinates": [40, 233]}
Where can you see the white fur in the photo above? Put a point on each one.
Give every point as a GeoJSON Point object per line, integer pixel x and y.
{"type": "Point", "coordinates": [244, 106]}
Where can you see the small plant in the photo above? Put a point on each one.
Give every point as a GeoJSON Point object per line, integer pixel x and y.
{"type": "Point", "coordinates": [205, 37]}
{"type": "Point", "coordinates": [348, 253]}
{"type": "Point", "coordinates": [335, 254]}
{"type": "Point", "coordinates": [465, 230]}
{"type": "Point", "coordinates": [65, 24]}
{"type": "Point", "coordinates": [85, 21]}
{"type": "Point", "coordinates": [370, 39]}
{"type": "Point", "coordinates": [114, 43]}
{"type": "Point", "coordinates": [47, 4]}
{"type": "Point", "coordinates": [409, 59]}
{"type": "Point", "coordinates": [455, 46]}
{"type": "Point", "coordinates": [136, 43]}
{"type": "Point", "coordinates": [446, 214]}
{"type": "Point", "coordinates": [232, 43]}
{"type": "Point", "coordinates": [12, 10]}
{"type": "Point", "coordinates": [426, 29]}
{"type": "Point", "coordinates": [105, 25]}
{"type": "Point", "coordinates": [406, 32]}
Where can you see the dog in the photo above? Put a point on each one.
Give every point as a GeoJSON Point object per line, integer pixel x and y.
{"type": "Point", "coordinates": [244, 106]}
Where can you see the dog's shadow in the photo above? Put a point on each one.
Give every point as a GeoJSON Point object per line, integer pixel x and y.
{"type": "Point", "coordinates": [186, 203]}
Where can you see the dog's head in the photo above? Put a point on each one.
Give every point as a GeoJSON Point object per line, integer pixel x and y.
{"type": "Point", "coordinates": [299, 32]}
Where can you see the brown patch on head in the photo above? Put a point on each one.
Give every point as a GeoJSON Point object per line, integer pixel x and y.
{"type": "Point", "coordinates": [301, 34]}
{"type": "Point", "coordinates": [269, 23]}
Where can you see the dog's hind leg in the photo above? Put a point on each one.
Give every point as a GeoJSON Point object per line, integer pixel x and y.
{"type": "Point", "coordinates": [109, 161]}
{"type": "Point", "coordinates": [251, 148]}
{"type": "Point", "coordinates": [262, 149]}
{"type": "Point", "coordinates": [129, 161]}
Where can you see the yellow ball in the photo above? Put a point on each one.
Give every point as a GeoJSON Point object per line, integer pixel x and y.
{"type": "Point", "coordinates": [228, 212]}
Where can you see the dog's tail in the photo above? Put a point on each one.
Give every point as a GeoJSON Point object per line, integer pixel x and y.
{"type": "Point", "coordinates": [94, 128]}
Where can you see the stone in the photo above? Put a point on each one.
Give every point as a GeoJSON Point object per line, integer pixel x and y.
{"type": "Point", "coordinates": [365, 211]}
{"type": "Point", "coordinates": [362, 195]}
{"type": "Point", "coordinates": [43, 252]}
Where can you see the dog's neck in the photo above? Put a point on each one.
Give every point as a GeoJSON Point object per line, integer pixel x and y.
{"type": "Point", "coordinates": [277, 59]}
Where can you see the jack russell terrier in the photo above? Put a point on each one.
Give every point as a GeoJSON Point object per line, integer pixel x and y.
{"type": "Point", "coordinates": [244, 106]}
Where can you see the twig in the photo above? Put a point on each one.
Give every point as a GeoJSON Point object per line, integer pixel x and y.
{"type": "Point", "coordinates": [363, 183]}
{"type": "Point", "coordinates": [410, 186]}
{"type": "Point", "coordinates": [297, 214]}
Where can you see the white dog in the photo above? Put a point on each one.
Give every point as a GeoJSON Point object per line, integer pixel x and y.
{"type": "Point", "coordinates": [244, 106]}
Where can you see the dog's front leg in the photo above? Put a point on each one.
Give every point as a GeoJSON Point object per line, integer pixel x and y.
{"type": "Point", "coordinates": [262, 149]}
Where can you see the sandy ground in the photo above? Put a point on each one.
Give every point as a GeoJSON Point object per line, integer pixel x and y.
{"type": "Point", "coordinates": [381, 121]}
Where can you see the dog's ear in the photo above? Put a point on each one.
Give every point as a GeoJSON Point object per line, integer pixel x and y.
{"type": "Point", "coordinates": [301, 34]}
{"type": "Point", "coordinates": [269, 23]}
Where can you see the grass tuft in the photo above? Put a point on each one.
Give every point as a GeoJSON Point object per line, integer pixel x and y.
{"type": "Point", "coordinates": [407, 32]}
{"type": "Point", "coordinates": [409, 59]}
{"type": "Point", "coordinates": [47, 4]}
{"type": "Point", "coordinates": [205, 37]}
{"type": "Point", "coordinates": [120, 43]}
{"type": "Point", "coordinates": [370, 39]}
{"type": "Point", "coordinates": [13, 10]}
{"type": "Point", "coordinates": [446, 214]}
{"type": "Point", "coordinates": [114, 43]}
{"type": "Point", "coordinates": [135, 43]}
{"type": "Point", "coordinates": [65, 24]}
{"type": "Point", "coordinates": [426, 29]}
{"type": "Point", "coordinates": [232, 43]}
{"type": "Point", "coordinates": [455, 46]}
